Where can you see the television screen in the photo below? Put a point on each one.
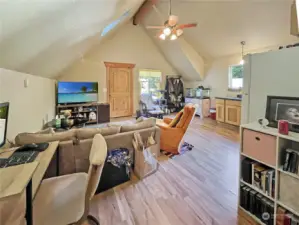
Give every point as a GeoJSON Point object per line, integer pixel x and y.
{"type": "Point", "coordinates": [77, 92]}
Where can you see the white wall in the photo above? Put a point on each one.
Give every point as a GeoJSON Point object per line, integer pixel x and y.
{"type": "Point", "coordinates": [217, 76]}
{"type": "Point", "coordinates": [29, 107]}
{"type": "Point", "coordinates": [272, 73]}
{"type": "Point", "coordinates": [129, 45]}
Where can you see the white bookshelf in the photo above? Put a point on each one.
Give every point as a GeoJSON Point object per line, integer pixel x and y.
{"type": "Point", "coordinates": [288, 173]}
{"type": "Point", "coordinates": [281, 141]}
{"type": "Point", "coordinates": [287, 208]}
{"type": "Point", "coordinates": [250, 157]}
{"type": "Point", "coordinates": [252, 216]}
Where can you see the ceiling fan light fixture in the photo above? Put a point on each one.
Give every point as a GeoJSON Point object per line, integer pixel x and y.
{"type": "Point", "coordinates": [242, 59]}
{"type": "Point", "coordinates": [167, 31]}
{"type": "Point", "coordinates": [173, 37]}
{"type": "Point", "coordinates": [172, 21]}
{"type": "Point", "coordinates": [162, 36]}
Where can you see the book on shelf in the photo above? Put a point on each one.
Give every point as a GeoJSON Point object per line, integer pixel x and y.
{"type": "Point", "coordinates": [280, 216]}
{"type": "Point", "coordinates": [246, 170]}
{"type": "Point", "coordinates": [284, 217]}
{"type": "Point", "coordinates": [252, 201]}
{"type": "Point", "coordinates": [263, 178]}
{"type": "Point", "coordinates": [273, 187]}
{"type": "Point", "coordinates": [291, 161]}
{"type": "Point", "coordinates": [287, 159]}
{"type": "Point", "coordinates": [256, 204]}
{"type": "Point", "coordinates": [294, 220]}
{"type": "Point", "coordinates": [288, 219]}
{"type": "Point", "coordinates": [257, 172]}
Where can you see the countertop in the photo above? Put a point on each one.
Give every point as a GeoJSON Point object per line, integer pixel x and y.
{"type": "Point", "coordinates": [198, 97]}
{"type": "Point", "coordinates": [230, 98]}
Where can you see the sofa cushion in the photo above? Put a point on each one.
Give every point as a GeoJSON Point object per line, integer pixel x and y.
{"type": "Point", "coordinates": [28, 138]}
{"type": "Point", "coordinates": [151, 122]}
{"type": "Point", "coordinates": [87, 133]}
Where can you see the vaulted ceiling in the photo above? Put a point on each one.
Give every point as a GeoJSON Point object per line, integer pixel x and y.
{"type": "Point", "coordinates": [223, 24]}
{"type": "Point", "coordinates": [43, 37]}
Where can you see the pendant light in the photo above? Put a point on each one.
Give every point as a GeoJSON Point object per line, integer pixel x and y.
{"type": "Point", "coordinates": [242, 60]}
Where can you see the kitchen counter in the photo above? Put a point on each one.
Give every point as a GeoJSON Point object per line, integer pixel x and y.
{"type": "Point", "coordinates": [198, 97]}
{"type": "Point", "coordinates": [228, 110]}
{"type": "Point", "coordinates": [230, 98]}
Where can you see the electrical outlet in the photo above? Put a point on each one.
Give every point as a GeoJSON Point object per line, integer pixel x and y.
{"type": "Point", "coordinates": [26, 83]}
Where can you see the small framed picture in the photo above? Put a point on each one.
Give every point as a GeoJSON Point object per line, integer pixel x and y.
{"type": "Point", "coordinates": [283, 108]}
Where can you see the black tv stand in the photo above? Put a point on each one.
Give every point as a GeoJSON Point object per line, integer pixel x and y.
{"type": "Point", "coordinates": [83, 110]}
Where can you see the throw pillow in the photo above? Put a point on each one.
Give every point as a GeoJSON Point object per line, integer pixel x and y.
{"type": "Point", "coordinates": [176, 119]}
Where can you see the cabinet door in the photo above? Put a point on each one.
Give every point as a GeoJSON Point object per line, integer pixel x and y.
{"type": "Point", "coordinates": [232, 114]}
{"type": "Point", "coordinates": [220, 112]}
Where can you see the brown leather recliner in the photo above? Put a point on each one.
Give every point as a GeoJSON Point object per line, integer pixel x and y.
{"type": "Point", "coordinates": [173, 133]}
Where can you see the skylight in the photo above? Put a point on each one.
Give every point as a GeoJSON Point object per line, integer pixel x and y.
{"type": "Point", "coordinates": [114, 23]}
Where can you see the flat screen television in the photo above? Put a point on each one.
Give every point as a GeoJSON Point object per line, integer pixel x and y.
{"type": "Point", "coordinates": [77, 92]}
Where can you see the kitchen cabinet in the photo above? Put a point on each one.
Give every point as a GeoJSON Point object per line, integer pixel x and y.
{"type": "Point", "coordinates": [203, 109]}
{"type": "Point", "coordinates": [232, 115]}
{"type": "Point", "coordinates": [228, 111]}
{"type": "Point", "coordinates": [220, 112]}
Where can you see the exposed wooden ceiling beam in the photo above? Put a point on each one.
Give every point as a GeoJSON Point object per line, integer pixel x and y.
{"type": "Point", "coordinates": [144, 9]}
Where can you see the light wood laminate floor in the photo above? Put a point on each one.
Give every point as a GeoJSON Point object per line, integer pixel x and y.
{"type": "Point", "coordinates": [199, 187]}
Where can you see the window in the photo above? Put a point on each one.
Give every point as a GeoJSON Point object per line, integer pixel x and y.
{"type": "Point", "coordinates": [150, 82]}
{"type": "Point", "coordinates": [235, 77]}
{"type": "Point", "coordinates": [114, 23]}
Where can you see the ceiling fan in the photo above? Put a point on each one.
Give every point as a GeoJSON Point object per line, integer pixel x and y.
{"type": "Point", "coordinates": [171, 28]}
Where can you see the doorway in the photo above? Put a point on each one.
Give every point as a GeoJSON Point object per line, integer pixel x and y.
{"type": "Point", "coordinates": [120, 89]}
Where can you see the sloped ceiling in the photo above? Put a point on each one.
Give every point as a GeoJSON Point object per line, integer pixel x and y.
{"type": "Point", "coordinates": [43, 37]}
{"type": "Point", "coordinates": [223, 24]}
{"type": "Point", "coordinates": [182, 57]}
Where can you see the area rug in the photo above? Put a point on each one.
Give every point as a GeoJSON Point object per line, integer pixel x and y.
{"type": "Point", "coordinates": [186, 147]}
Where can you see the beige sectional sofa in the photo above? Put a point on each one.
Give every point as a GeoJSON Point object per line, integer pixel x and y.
{"type": "Point", "coordinates": [75, 144]}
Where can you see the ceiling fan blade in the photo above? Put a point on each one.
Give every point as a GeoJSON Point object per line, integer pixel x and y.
{"type": "Point", "coordinates": [179, 32]}
{"type": "Point", "coordinates": [173, 20]}
{"type": "Point", "coordinates": [154, 27]}
{"type": "Point", "coordinates": [188, 25]}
